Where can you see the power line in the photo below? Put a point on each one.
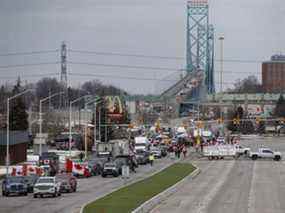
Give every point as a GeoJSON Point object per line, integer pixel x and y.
{"type": "Point", "coordinates": [28, 53]}
{"type": "Point", "coordinates": [130, 78]}
{"type": "Point", "coordinates": [122, 66]}
{"type": "Point", "coordinates": [28, 65]}
{"type": "Point", "coordinates": [125, 55]}
{"type": "Point", "coordinates": [148, 67]}
{"type": "Point", "coordinates": [156, 56]}
{"type": "Point", "coordinates": [29, 76]}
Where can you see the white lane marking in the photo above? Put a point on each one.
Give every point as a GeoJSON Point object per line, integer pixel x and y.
{"type": "Point", "coordinates": [251, 197]}
{"type": "Point", "coordinates": [202, 207]}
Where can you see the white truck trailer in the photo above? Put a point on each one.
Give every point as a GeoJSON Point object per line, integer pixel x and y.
{"type": "Point", "coordinates": [224, 150]}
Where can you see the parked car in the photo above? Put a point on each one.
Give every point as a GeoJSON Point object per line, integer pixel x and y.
{"type": "Point", "coordinates": [14, 185]}
{"type": "Point", "coordinates": [120, 162]}
{"type": "Point", "coordinates": [30, 181]}
{"type": "Point", "coordinates": [142, 157]}
{"type": "Point", "coordinates": [128, 160]}
{"type": "Point", "coordinates": [68, 182]}
{"type": "Point", "coordinates": [96, 165]}
{"type": "Point", "coordinates": [265, 153]}
{"type": "Point", "coordinates": [164, 149]}
{"type": "Point", "coordinates": [156, 152]}
{"type": "Point", "coordinates": [111, 168]}
{"type": "Point", "coordinates": [47, 186]}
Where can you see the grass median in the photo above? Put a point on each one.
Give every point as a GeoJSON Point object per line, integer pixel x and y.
{"type": "Point", "coordinates": [130, 197]}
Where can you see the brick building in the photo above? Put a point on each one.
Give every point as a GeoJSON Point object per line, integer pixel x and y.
{"type": "Point", "coordinates": [273, 74]}
{"type": "Point", "coordinates": [18, 146]}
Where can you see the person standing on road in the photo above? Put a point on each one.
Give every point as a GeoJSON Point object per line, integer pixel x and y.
{"type": "Point", "coordinates": [81, 156]}
{"type": "Point", "coordinates": [184, 151]}
{"type": "Point", "coordinates": [151, 159]}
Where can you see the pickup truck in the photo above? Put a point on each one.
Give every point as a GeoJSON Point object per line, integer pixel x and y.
{"type": "Point", "coordinates": [242, 150]}
{"type": "Point", "coordinates": [265, 153]}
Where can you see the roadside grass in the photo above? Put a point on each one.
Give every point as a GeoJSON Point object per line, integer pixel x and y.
{"type": "Point", "coordinates": [130, 197]}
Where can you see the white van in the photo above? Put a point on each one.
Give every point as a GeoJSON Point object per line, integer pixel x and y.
{"type": "Point", "coordinates": [141, 143]}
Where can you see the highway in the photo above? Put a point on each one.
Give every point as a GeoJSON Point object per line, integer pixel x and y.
{"type": "Point", "coordinates": [88, 189]}
{"type": "Point", "coordinates": [233, 186]}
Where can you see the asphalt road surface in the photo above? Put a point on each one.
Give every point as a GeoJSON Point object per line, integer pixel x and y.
{"type": "Point", "coordinates": [234, 186]}
{"type": "Point", "coordinates": [88, 189]}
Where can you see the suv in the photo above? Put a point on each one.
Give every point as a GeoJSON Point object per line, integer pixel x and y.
{"type": "Point", "coordinates": [14, 185]}
{"type": "Point", "coordinates": [47, 186]}
{"type": "Point", "coordinates": [68, 182]}
{"type": "Point", "coordinates": [156, 152]}
{"type": "Point", "coordinates": [111, 169]}
{"type": "Point", "coordinates": [30, 181]}
{"type": "Point", "coordinates": [142, 157]}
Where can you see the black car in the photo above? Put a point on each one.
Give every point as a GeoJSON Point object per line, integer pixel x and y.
{"type": "Point", "coordinates": [14, 185]}
{"type": "Point", "coordinates": [30, 181]}
{"type": "Point", "coordinates": [142, 157]}
{"type": "Point", "coordinates": [96, 166]}
{"type": "Point", "coordinates": [111, 168]}
{"type": "Point", "coordinates": [164, 150]}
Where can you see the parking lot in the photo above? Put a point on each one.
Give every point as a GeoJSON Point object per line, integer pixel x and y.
{"type": "Point", "coordinates": [236, 186]}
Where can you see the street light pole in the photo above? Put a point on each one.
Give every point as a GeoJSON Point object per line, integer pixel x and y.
{"type": "Point", "coordinates": [221, 76]}
{"type": "Point", "coordinates": [99, 124]}
{"type": "Point", "coordinates": [41, 119]}
{"type": "Point", "coordinates": [86, 125]}
{"type": "Point", "coordinates": [70, 116]}
{"type": "Point", "coordinates": [8, 128]}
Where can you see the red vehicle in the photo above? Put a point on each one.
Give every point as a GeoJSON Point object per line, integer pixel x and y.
{"type": "Point", "coordinates": [68, 182]}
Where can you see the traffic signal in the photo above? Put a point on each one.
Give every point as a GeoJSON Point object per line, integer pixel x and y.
{"type": "Point", "coordinates": [257, 120]}
{"type": "Point", "coordinates": [236, 121]}
{"type": "Point", "coordinates": [220, 121]}
{"type": "Point", "coordinates": [200, 124]}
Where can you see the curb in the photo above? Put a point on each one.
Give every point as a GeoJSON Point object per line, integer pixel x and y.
{"type": "Point", "coordinates": [129, 183]}
{"type": "Point", "coordinates": [156, 200]}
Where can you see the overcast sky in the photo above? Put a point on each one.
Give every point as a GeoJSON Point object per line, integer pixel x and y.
{"type": "Point", "coordinates": [253, 30]}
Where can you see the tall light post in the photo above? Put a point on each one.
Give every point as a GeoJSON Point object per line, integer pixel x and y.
{"type": "Point", "coordinates": [95, 112]}
{"type": "Point", "coordinates": [86, 124]}
{"type": "Point", "coordinates": [221, 38]}
{"type": "Point", "coordinates": [41, 119]}
{"type": "Point", "coordinates": [8, 127]}
{"type": "Point", "coordinates": [70, 115]}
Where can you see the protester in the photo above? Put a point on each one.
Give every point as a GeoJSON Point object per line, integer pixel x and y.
{"type": "Point", "coordinates": [151, 159]}
{"type": "Point", "coordinates": [184, 151]}
{"type": "Point", "coordinates": [81, 156]}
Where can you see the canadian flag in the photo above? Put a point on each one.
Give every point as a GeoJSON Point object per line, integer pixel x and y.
{"type": "Point", "coordinates": [17, 171]}
{"type": "Point", "coordinates": [78, 168]}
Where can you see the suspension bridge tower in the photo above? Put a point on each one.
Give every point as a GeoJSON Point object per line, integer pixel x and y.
{"type": "Point", "coordinates": [200, 42]}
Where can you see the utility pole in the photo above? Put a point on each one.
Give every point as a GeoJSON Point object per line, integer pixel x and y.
{"type": "Point", "coordinates": [63, 75]}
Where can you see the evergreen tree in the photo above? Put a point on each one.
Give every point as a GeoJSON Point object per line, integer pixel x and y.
{"type": "Point", "coordinates": [280, 107]}
{"type": "Point", "coordinates": [18, 115]}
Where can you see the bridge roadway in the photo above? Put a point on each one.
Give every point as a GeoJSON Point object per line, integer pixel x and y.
{"type": "Point", "coordinates": [233, 186]}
